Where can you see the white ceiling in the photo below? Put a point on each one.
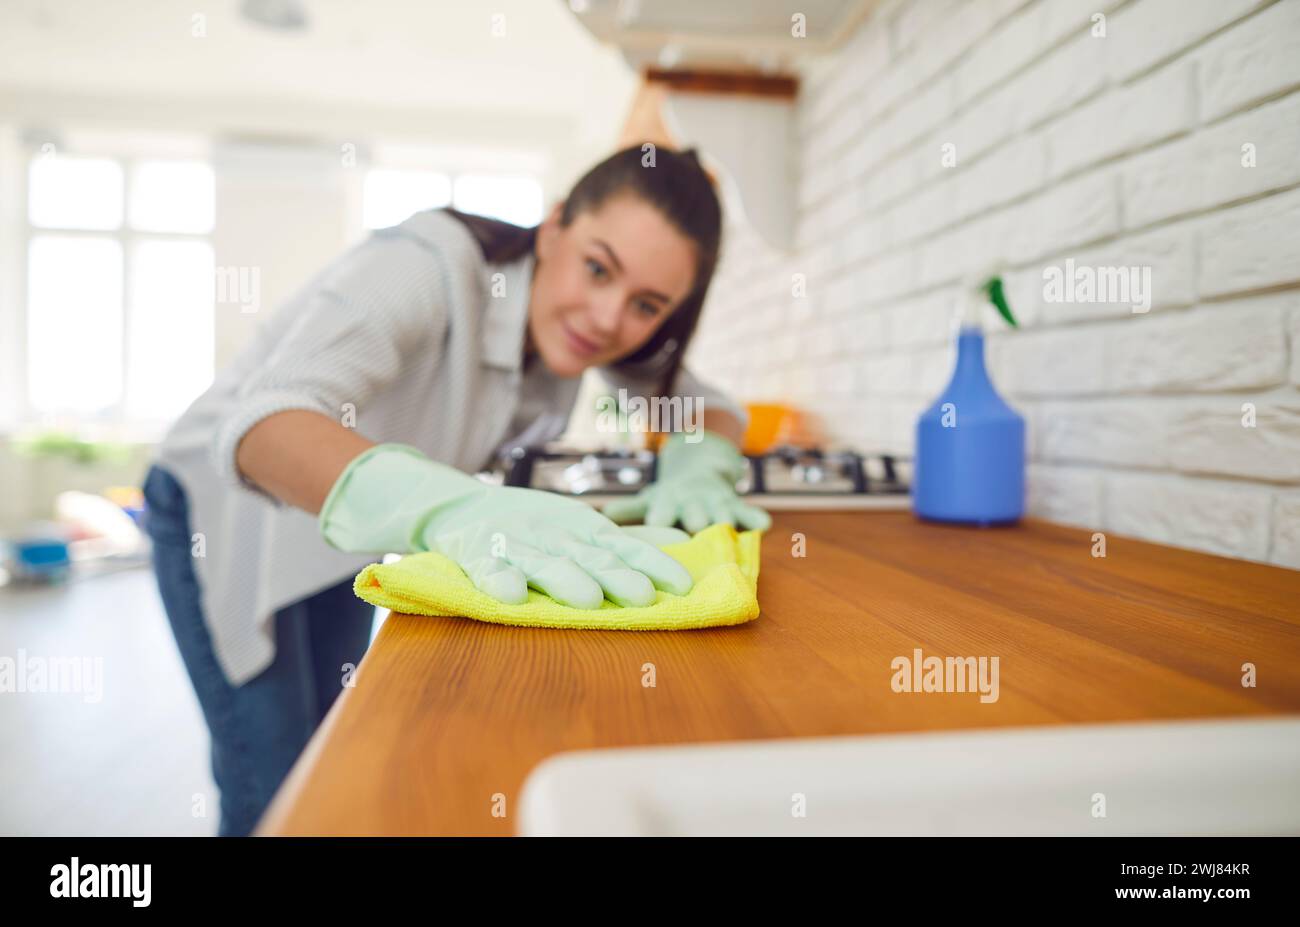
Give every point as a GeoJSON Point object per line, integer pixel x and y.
{"type": "Point", "coordinates": [433, 66]}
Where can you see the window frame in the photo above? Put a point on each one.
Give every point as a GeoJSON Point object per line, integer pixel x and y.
{"type": "Point", "coordinates": [114, 420]}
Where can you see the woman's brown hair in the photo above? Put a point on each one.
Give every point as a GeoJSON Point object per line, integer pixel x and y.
{"type": "Point", "coordinates": [675, 184]}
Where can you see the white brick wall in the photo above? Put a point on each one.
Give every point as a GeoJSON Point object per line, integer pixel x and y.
{"type": "Point", "coordinates": [1128, 149]}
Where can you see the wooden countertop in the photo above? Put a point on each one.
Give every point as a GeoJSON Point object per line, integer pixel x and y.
{"type": "Point", "coordinates": [447, 713]}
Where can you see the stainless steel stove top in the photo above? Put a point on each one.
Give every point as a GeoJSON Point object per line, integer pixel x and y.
{"type": "Point", "coordinates": [783, 478]}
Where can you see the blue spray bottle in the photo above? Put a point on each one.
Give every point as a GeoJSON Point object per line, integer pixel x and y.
{"type": "Point", "coordinates": [970, 445]}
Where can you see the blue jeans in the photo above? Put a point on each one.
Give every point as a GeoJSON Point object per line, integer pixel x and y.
{"type": "Point", "coordinates": [259, 728]}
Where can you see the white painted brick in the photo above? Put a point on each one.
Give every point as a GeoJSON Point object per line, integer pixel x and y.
{"type": "Point", "coordinates": [923, 321]}
{"type": "Point", "coordinates": [1250, 246]}
{"type": "Point", "coordinates": [996, 359]}
{"type": "Point", "coordinates": [1295, 347]}
{"type": "Point", "coordinates": [800, 312]}
{"type": "Point", "coordinates": [918, 114]}
{"type": "Point", "coordinates": [1066, 362]}
{"type": "Point", "coordinates": [886, 235]}
{"type": "Point", "coordinates": [762, 353]}
{"type": "Point", "coordinates": [787, 350]}
{"type": "Point", "coordinates": [1240, 345]}
{"type": "Point", "coordinates": [1065, 78]}
{"type": "Point", "coordinates": [1029, 411]}
{"type": "Point", "coordinates": [1147, 32]}
{"type": "Point", "coordinates": [871, 425]}
{"type": "Point", "coordinates": [1207, 436]}
{"type": "Point", "coordinates": [885, 92]}
{"type": "Point", "coordinates": [1073, 213]}
{"type": "Point", "coordinates": [1221, 518]}
{"type": "Point", "coordinates": [846, 126]}
{"type": "Point", "coordinates": [866, 54]}
{"type": "Point", "coordinates": [976, 246]}
{"type": "Point", "coordinates": [1286, 530]}
{"type": "Point", "coordinates": [914, 20]}
{"type": "Point", "coordinates": [840, 375]}
{"type": "Point", "coordinates": [832, 421]}
{"type": "Point", "coordinates": [1114, 432]}
{"type": "Point", "coordinates": [1255, 60]}
{"type": "Point", "coordinates": [987, 239]}
{"type": "Point", "coordinates": [890, 181]}
{"type": "Point", "coordinates": [1169, 252]}
{"type": "Point", "coordinates": [888, 278]}
{"type": "Point", "coordinates": [840, 293]}
{"type": "Point", "coordinates": [1155, 108]}
{"type": "Point", "coordinates": [972, 132]}
{"type": "Point", "coordinates": [937, 261]}
{"type": "Point", "coordinates": [1002, 9]}
{"type": "Point", "coordinates": [918, 216]}
{"type": "Point", "coordinates": [1065, 18]}
{"type": "Point", "coordinates": [821, 344]}
{"type": "Point", "coordinates": [770, 319]}
{"type": "Point", "coordinates": [1206, 169]}
{"type": "Point", "coordinates": [838, 252]}
{"type": "Point", "coordinates": [960, 29]}
{"type": "Point", "coordinates": [1005, 174]}
{"type": "Point", "coordinates": [1010, 46]}
{"type": "Point", "coordinates": [817, 180]}
{"type": "Point", "coordinates": [901, 437]}
{"type": "Point", "coordinates": [1141, 506]}
{"type": "Point", "coordinates": [838, 213]}
{"type": "Point", "coordinates": [864, 154]}
{"type": "Point", "coordinates": [819, 261]}
{"type": "Point", "coordinates": [1061, 80]}
{"type": "Point", "coordinates": [868, 238]}
{"type": "Point", "coordinates": [1066, 495]}
{"type": "Point", "coordinates": [1233, 521]}
{"type": "Point", "coordinates": [931, 370]}
{"type": "Point", "coordinates": [864, 332]}
{"type": "Point", "coordinates": [886, 375]}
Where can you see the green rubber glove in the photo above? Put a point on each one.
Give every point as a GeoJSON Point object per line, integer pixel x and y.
{"type": "Point", "coordinates": [696, 485]}
{"type": "Point", "coordinates": [393, 498]}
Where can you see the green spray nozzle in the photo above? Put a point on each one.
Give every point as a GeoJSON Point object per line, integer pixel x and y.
{"type": "Point", "coordinates": [993, 290]}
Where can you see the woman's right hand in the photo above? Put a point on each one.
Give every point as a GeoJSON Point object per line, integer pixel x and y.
{"type": "Point", "coordinates": [506, 539]}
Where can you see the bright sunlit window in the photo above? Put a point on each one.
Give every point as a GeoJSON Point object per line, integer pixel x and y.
{"type": "Point", "coordinates": [391, 196]}
{"type": "Point", "coordinates": [172, 196]}
{"type": "Point", "coordinates": [171, 305]}
{"type": "Point", "coordinates": [74, 323]}
{"type": "Point", "coordinates": [75, 193]}
{"type": "Point", "coordinates": [119, 289]}
{"type": "Point", "coordinates": [514, 199]}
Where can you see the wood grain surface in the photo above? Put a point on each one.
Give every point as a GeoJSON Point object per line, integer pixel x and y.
{"type": "Point", "coordinates": [448, 713]}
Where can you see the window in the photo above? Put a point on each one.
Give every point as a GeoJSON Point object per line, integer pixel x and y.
{"type": "Point", "coordinates": [514, 199]}
{"type": "Point", "coordinates": [390, 196]}
{"type": "Point", "coordinates": [119, 315]}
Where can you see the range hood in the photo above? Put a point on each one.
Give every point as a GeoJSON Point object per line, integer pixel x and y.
{"type": "Point", "coordinates": [722, 77]}
{"type": "Point", "coordinates": [768, 36]}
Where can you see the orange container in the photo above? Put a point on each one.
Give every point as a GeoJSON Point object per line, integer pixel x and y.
{"type": "Point", "coordinates": [770, 424]}
{"type": "Point", "coordinates": [767, 423]}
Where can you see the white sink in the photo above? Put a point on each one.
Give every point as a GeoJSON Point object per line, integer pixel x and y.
{"type": "Point", "coordinates": [1212, 777]}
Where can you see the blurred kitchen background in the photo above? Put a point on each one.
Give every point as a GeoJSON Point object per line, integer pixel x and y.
{"type": "Point", "coordinates": [871, 156]}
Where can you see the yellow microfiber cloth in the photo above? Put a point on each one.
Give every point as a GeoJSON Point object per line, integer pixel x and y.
{"type": "Point", "coordinates": [722, 562]}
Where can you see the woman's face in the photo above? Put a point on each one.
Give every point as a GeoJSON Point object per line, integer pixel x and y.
{"type": "Point", "coordinates": [603, 285]}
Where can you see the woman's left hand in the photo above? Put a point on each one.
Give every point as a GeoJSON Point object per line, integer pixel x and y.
{"type": "Point", "coordinates": [696, 485]}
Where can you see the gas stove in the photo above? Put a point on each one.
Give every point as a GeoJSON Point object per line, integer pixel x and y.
{"type": "Point", "coordinates": [784, 478]}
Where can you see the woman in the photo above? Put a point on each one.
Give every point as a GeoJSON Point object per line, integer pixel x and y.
{"type": "Point", "coordinates": [350, 426]}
